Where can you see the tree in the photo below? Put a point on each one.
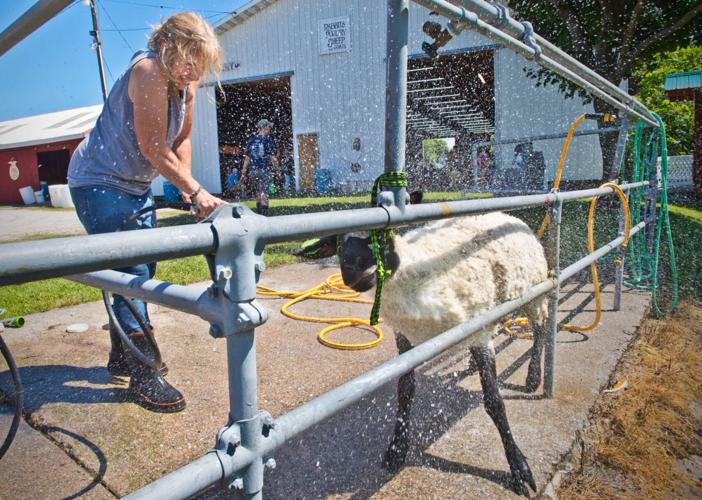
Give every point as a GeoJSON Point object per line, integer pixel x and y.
{"type": "Point", "coordinates": [613, 37]}
{"type": "Point", "coordinates": [678, 116]}
{"type": "Point", "coordinates": [435, 152]}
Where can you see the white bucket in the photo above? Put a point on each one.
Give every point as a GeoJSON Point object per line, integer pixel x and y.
{"type": "Point", "coordinates": [27, 193]}
{"type": "Point", "coordinates": [39, 197]}
{"type": "Point", "coordinates": [60, 196]}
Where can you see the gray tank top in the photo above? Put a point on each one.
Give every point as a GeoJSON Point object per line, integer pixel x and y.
{"type": "Point", "coordinates": [110, 155]}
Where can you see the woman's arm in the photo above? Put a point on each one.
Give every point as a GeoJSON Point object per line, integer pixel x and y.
{"type": "Point", "coordinates": [148, 90]}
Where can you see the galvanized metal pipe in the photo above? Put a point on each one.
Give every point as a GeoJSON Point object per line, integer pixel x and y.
{"type": "Point", "coordinates": [616, 167]}
{"type": "Point", "coordinates": [189, 299]}
{"type": "Point", "coordinates": [554, 265]}
{"type": "Point", "coordinates": [289, 227]}
{"type": "Point", "coordinates": [31, 20]}
{"type": "Point", "coordinates": [492, 15]}
{"type": "Point", "coordinates": [462, 17]}
{"type": "Point", "coordinates": [396, 85]}
{"type": "Point", "coordinates": [185, 482]}
{"type": "Point", "coordinates": [214, 466]}
{"type": "Point", "coordinates": [28, 261]}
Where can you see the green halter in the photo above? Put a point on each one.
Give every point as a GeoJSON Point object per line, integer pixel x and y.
{"type": "Point", "coordinates": [379, 238]}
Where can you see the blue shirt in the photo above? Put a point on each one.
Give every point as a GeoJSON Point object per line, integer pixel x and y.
{"type": "Point", "coordinates": [259, 150]}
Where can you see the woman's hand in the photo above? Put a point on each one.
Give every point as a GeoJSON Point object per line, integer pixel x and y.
{"type": "Point", "coordinates": [205, 203]}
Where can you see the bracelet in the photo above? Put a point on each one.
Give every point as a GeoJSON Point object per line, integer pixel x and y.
{"type": "Point", "coordinates": [195, 193]}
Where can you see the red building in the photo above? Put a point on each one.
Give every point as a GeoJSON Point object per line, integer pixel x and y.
{"type": "Point", "coordinates": [38, 148]}
{"type": "Point", "coordinates": [688, 87]}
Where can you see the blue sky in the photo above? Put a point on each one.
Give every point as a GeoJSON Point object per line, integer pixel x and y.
{"type": "Point", "coordinates": [55, 67]}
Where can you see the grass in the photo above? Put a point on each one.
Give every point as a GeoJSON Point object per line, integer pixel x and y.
{"type": "Point", "coordinates": [686, 223]}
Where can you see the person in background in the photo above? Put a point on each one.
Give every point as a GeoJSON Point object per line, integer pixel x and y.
{"type": "Point", "coordinates": [259, 161]}
{"type": "Point", "coordinates": [416, 197]}
{"type": "Point", "coordinates": [143, 131]}
{"type": "Point", "coordinates": [287, 167]}
{"type": "Point", "coordinates": [230, 159]}
{"type": "Point", "coordinates": [484, 169]}
{"type": "Point", "coordinates": [521, 157]}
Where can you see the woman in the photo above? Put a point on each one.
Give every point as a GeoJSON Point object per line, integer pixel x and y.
{"type": "Point", "coordinates": [144, 130]}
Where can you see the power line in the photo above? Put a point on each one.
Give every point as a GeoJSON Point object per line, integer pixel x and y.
{"type": "Point", "coordinates": [116, 28]}
{"type": "Point", "coordinates": [158, 6]}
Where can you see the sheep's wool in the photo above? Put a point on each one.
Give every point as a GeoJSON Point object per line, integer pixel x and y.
{"type": "Point", "coordinates": [454, 269]}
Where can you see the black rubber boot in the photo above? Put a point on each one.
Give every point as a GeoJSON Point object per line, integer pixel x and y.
{"type": "Point", "coordinates": [117, 364]}
{"type": "Point", "coordinates": [147, 387]}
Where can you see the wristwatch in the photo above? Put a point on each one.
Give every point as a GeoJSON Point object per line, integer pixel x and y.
{"type": "Point", "coordinates": [194, 194]}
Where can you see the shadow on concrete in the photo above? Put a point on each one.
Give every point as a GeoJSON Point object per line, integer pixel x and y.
{"type": "Point", "coordinates": [66, 384]}
{"type": "Point", "coordinates": [99, 455]}
{"type": "Point", "coordinates": [344, 455]}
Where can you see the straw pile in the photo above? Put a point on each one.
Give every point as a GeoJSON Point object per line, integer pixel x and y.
{"type": "Point", "coordinates": [646, 441]}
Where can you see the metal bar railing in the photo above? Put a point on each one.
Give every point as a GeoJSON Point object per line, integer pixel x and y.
{"type": "Point", "coordinates": [497, 17]}
{"type": "Point", "coordinates": [31, 20]}
{"type": "Point", "coordinates": [198, 475]}
{"type": "Point", "coordinates": [26, 261]}
{"type": "Point", "coordinates": [464, 18]}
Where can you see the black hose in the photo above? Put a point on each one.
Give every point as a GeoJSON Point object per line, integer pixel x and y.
{"type": "Point", "coordinates": [17, 397]}
{"type": "Point", "coordinates": [157, 361]}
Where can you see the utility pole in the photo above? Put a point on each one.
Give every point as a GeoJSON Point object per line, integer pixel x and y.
{"type": "Point", "coordinates": [95, 33]}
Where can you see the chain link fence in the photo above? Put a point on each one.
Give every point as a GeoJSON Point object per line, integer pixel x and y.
{"type": "Point", "coordinates": [679, 171]}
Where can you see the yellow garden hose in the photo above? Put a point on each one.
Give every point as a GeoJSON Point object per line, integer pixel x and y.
{"type": "Point", "coordinates": [523, 323]}
{"type": "Point", "coordinates": [591, 248]}
{"type": "Point", "coordinates": [561, 161]}
{"type": "Point", "coordinates": [332, 288]}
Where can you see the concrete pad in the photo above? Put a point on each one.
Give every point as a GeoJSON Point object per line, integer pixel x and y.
{"type": "Point", "coordinates": [17, 223]}
{"type": "Point", "coordinates": [457, 452]}
{"type": "Point", "coordinates": [35, 467]}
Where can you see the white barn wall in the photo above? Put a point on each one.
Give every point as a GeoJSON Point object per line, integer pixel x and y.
{"type": "Point", "coordinates": [206, 148]}
{"type": "Point", "coordinates": [342, 96]}
{"type": "Point", "coordinates": [522, 109]}
{"type": "Point", "coordinates": [338, 96]}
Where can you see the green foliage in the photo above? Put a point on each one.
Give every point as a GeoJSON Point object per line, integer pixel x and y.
{"type": "Point", "coordinates": [678, 116]}
{"type": "Point", "coordinates": [613, 37]}
{"type": "Point", "coordinates": [435, 151]}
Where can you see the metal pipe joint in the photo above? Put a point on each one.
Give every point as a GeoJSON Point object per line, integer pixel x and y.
{"type": "Point", "coordinates": [229, 444]}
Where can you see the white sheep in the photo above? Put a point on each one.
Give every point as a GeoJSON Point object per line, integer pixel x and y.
{"type": "Point", "coordinates": [444, 274]}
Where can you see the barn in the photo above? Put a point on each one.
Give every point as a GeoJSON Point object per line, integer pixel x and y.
{"type": "Point", "coordinates": [316, 68]}
{"type": "Point", "coordinates": [38, 148]}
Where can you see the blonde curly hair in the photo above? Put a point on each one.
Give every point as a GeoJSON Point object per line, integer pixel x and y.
{"type": "Point", "coordinates": [188, 37]}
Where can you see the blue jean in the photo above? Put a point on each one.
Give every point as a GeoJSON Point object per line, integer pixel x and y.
{"type": "Point", "coordinates": [106, 210]}
{"type": "Point", "coordinates": [261, 180]}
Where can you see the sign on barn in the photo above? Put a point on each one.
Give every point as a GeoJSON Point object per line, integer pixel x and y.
{"type": "Point", "coordinates": [334, 35]}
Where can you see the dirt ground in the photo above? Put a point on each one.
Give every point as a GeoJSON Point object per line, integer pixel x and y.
{"type": "Point", "coordinates": [645, 441]}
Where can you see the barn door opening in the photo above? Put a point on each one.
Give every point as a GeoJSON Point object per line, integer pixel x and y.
{"type": "Point", "coordinates": [53, 166]}
{"type": "Point", "coordinates": [240, 107]}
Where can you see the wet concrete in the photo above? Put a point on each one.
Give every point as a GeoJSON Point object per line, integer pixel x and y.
{"type": "Point", "coordinates": [111, 445]}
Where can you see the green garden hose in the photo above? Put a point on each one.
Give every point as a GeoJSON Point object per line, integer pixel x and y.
{"type": "Point", "coordinates": [644, 266]}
